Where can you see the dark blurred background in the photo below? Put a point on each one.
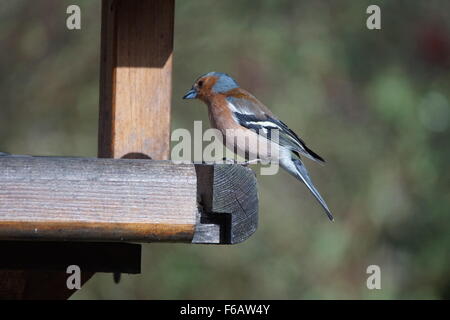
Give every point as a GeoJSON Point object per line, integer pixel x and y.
{"type": "Point", "coordinates": [375, 104]}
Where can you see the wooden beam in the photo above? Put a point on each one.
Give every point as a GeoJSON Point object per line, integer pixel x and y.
{"type": "Point", "coordinates": [136, 83]}
{"type": "Point", "coordinates": [83, 199]}
{"type": "Point", "coordinates": [50, 198]}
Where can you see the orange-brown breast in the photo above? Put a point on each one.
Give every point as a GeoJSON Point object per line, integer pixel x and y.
{"type": "Point", "coordinates": [220, 115]}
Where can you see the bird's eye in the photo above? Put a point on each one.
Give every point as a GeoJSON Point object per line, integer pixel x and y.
{"type": "Point", "coordinates": [200, 83]}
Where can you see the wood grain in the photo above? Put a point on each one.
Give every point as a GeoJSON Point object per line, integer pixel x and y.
{"type": "Point", "coordinates": [228, 202]}
{"type": "Point", "coordinates": [96, 199]}
{"type": "Point", "coordinates": [136, 83]}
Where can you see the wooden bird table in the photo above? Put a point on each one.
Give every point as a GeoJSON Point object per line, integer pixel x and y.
{"type": "Point", "coordinates": [59, 211]}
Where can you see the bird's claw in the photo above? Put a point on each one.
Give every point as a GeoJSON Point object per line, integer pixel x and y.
{"type": "Point", "coordinates": [244, 163]}
{"type": "Point", "coordinates": [249, 162]}
{"type": "Point", "coordinates": [229, 161]}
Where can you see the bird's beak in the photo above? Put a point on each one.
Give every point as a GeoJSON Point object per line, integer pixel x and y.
{"type": "Point", "coordinates": [191, 94]}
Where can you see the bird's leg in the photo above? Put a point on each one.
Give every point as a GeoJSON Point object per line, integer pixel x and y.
{"type": "Point", "coordinates": [243, 163]}
{"type": "Point", "coordinates": [249, 162]}
{"type": "Point", "coordinates": [229, 161]}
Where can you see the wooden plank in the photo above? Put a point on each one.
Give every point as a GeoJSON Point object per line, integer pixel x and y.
{"type": "Point", "coordinates": [53, 198]}
{"type": "Point", "coordinates": [136, 67]}
{"type": "Point", "coordinates": [82, 199]}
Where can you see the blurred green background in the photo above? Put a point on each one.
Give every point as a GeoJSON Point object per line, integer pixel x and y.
{"type": "Point", "coordinates": [374, 104]}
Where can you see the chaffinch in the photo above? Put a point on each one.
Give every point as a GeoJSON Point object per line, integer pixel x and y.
{"type": "Point", "coordinates": [235, 112]}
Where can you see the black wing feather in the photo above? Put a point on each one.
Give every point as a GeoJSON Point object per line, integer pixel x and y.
{"type": "Point", "coordinates": [288, 138]}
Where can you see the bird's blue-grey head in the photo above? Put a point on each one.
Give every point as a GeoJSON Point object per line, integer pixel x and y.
{"type": "Point", "coordinates": [212, 82]}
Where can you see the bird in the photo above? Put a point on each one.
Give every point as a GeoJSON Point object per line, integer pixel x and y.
{"type": "Point", "coordinates": [233, 109]}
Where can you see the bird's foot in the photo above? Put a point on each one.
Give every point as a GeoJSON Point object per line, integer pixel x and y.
{"type": "Point", "coordinates": [243, 163]}
{"type": "Point", "coordinates": [253, 161]}
{"type": "Point", "coordinates": [229, 161]}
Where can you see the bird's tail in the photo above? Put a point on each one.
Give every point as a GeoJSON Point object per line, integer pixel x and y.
{"type": "Point", "coordinates": [298, 170]}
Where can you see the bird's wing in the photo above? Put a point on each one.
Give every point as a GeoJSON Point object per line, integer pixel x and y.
{"type": "Point", "coordinates": [252, 114]}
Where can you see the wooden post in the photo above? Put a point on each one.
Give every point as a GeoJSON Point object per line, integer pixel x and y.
{"type": "Point", "coordinates": [135, 87]}
{"type": "Point", "coordinates": [136, 65]}
{"type": "Point", "coordinates": [136, 79]}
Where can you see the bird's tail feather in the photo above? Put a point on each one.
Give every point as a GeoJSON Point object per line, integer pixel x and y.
{"type": "Point", "coordinates": [298, 170]}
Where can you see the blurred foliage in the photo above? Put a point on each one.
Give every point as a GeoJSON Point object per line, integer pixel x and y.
{"type": "Point", "coordinates": [375, 104]}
